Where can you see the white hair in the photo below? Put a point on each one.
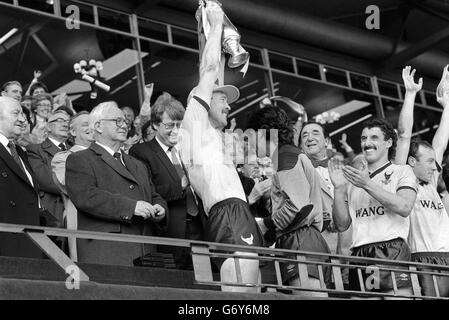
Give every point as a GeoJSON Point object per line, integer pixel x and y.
{"type": "Point", "coordinates": [100, 112]}
{"type": "Point", "coordinates": [4, 102]}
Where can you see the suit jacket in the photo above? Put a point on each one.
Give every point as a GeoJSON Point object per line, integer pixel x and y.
{"type": "Point", "coordinates": [295, 185]}
{"type": "Point", "coordinates": [168, 184]}
{"type": "Point", "coordinates": [105, 194]}
{"type": "Point", "coordinates": [18, 205]}
{"type": "Point", "coordinates": [40, 156]}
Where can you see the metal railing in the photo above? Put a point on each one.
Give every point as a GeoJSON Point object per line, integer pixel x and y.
{"type": "Point", "coordinates": [203, 252]}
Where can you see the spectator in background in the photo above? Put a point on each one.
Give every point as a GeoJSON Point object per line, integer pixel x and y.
{"type": "Point", "coordinates": [36, 87]}
{"type": "Point", "coordinates": [376, 199]}
{"type": "Point", "coordinates": [347, 148]}
{"type": "Point", "coordinates": [112, 191]}
{"type": "Point", "coordinates": [129, 115]}
{"type": "Point", "coordinates": [19, 200]}
{"type": "Point", "coordinates": [137, 123]}
{"type": "Point", "coordinates": [81, 136]}
{"type": "Point", "coordinates": [170, 178]}
{"type": "Point", "coordinates": [27, 102]}
{"type": "Point", "coordinates": [148, 133]}
{"type": "Point", "coordinates": [41, 155]}
{"type": "Point", "coordinates": [295, 195]}
{"type": "Point", "coordinates": [12, 89]}
{"type": "Point", "coordinates": [41, 107]}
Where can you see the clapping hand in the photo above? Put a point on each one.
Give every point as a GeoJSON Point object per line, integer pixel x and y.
{"type": "Point", "coordinates": [358, 177]}
{"type": "Point", "coordinates": [336, 174]}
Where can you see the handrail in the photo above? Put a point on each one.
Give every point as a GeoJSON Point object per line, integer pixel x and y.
{"type": "Point", "coordinates": [95, 235]}
{"type": "Point", "coordinates": [203, 251]}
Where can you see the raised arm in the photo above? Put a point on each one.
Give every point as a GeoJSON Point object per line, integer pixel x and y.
{"type": "Point", "coordinates": [210, 60]}
{"type": "Point", "coordinates": [196, 117]}
{"type": "Point", "coordinates": [441, 137]}
{"type": "Point", "coordinates": [37, 75]}
{"type": "Point", "coordinates": [405, 123]}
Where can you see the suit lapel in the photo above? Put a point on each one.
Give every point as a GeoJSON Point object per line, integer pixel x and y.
{"type": "Point", "coordinates": [24, 157]}
{"type": "Point", "coordinates": [324, 187]}
{"type": "Point", "coordinates": [6, 156]}
{"type": "Point", "coordinates": [165, 159]}
{"type": "Point", "coordinates": [50, 148]}
{"type": "Point", "coordinates": [114, 164]}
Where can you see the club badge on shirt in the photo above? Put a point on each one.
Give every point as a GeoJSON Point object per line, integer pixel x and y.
{"type": "Point", "coordinates": [387, 177]}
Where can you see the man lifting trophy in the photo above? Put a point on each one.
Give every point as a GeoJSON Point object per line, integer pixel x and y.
{"type": "Point", "coordinates": [230, 38]}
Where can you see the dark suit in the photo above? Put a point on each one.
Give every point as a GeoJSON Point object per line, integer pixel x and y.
{"type": "Point", "coordinates": [40, 156]}
{"type": "Point", "coordinates": [18, 205]}
{"type": "Point", "coordinates": [105, 194]}
{"type": "Point", "coordinates": [168, 185]}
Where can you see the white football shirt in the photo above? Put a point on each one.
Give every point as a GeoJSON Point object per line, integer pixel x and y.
{"type": "Point", "coordinates": [371, 221]}
{"type": "Point", "coordinates": [212, 174]}
{"type": "Point", "coordinates": [429, 222]}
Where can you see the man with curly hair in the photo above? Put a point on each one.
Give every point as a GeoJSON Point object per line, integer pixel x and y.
{"type": "Point", "coordinates": [297, 216]}
{"type": "Point", "coordinates": [376, 198]}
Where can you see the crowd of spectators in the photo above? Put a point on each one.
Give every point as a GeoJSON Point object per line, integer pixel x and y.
{"type": "Point", "coordinates": [164, 172]}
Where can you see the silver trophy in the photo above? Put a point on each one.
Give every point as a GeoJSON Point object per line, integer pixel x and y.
{"type": "Point", "coordinates": [230, 39]}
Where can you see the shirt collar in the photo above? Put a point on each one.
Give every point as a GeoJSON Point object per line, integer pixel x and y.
{"type": "Point", "coordinates": [163, 146]}
{"type": "Point", "coordinates": [380, 169]}
{"type": "Point", "coordinates": [55, 142]}
{"type": "Point", "coordinates": [109, 150]}
{"type": "Point", "coordinates": [4, 141]}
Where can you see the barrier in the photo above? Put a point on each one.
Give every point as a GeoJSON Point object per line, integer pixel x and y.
{"type": "Point", "coordinates": [202, 252]}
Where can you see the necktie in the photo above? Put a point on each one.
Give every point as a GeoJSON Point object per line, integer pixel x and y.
{"type": "Point", "coordinates": [191, 206]}
{"type": "Point", "coordinates": [15, 155]}
{"type": "Point", "coordinates": [176, 163]}
{"type": "Point", "coordinates": [62, 146]}
{"type": "Point", "coordinates": [320, 163]}
{"type": "Point", "coordinates": [118, 157]}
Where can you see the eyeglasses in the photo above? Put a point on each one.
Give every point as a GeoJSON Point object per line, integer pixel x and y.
{"type": "Point", "coordinates": [60, 121]}
{"type": "Point", "coordinates": [171, 125]}
{"type": "Point", "coordinates": [48, 105]}
{"type": "Point", "coordinates": [119, 122]}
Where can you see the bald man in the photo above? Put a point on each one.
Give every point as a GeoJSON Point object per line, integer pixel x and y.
{"type": "Point", "coordinates": [19, 202]}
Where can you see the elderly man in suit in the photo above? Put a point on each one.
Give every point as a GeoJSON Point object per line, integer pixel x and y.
{"type": "Point", "coordinates": [112, 191]}
{"type": "Point", "coordinates": [40, 156]}
{"type": "Point", "coordinates": [169, 176]}
{"type": "Point", "coordinates": [19, 200]}
{"type": "Point", "coordinates": [82, 135]}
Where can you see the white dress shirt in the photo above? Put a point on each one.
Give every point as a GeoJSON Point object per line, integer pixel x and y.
{"type": "Point", "coordinates": [4, 141]}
